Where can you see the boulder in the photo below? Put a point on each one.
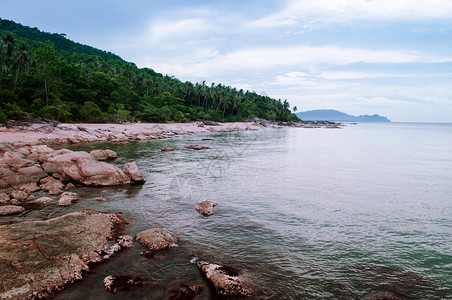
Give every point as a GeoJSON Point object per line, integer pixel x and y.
{"type": "Point", "coordinates": [19, 195]}
{"type": "Point", "coordinates": [18, 163]}
{"type": "Point", "coordinates": [35, 173]}
{"type": "Point", "coordinates": [205, 208]}
{"type": "Point", "coordinates": [67, 199]}
{"type": "Point", "coordinates": [167, 149]}
{"type": "Point", "coordinates": [4, 198]}
{"type": "Point", "coordinates": [228, 281]}
{"type": "Point", "coordinates": [43, 200]}
{"type": "Point", "coordinates": [131, 169]}
{"type": "Point", "coordinates": [52, 253]}
{"type": "Point", "coordinates": [40, 149]}
{"type": "Point", "coordinates": [197, 147]}
{"type": "Point", "coordinates": [156, 239]}
{"type": "Point", "coordinates": [10, 210]}
{"type": "Point", "coordinates": [106, 154]}
{"type": "Point", "coordinates": [29, 187]}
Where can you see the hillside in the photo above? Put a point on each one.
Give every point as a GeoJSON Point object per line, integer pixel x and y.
{"type": "Point", "coordinates": [337, 116]}
{"type": "Point", "coordinates": [49, 76]}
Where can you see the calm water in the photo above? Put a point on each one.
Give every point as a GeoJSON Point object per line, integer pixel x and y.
{"type": "Point", "coordinates": [313, 213]}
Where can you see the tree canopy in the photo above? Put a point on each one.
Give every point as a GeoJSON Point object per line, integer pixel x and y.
{"type": "Point", "coordinates": [49, 76]}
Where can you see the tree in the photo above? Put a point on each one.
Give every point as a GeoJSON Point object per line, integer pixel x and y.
{"type": "Point", "coordinates": [21, 59]}
{"type": "Point", "coordinates": [47, 60]}
{"type": "Point", "coordinates": [294, 109]}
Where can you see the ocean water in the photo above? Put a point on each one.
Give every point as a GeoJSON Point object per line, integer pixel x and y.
{"type": "Point", "coordinates": [310, 213]}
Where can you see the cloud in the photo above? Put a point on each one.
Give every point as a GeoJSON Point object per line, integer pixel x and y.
{"type": "Point", "coordinates": [302, 11]}
{"type": "Point", "coordinates": [177, 28]}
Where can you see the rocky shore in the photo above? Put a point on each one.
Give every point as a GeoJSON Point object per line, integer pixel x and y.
{"type": "Point", "coordinates": [40, 257]}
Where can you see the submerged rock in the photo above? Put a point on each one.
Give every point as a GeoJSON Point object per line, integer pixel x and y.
{"type": "Point", "coordinates": [43, 200]}
{"type": "Point", "coordinates": [156, 238]}
{"type": "Point", "coordinates": [228, 281]}
{"type": "Point", "coordinates": [167, 149]}
{"type": "Point", "coordinates": [205, 207]}
{"type": "Point", "coordinates": [185, 292]}
{"type": "Point", "coordinates": [197, 147]}
{"type": "Point", "coordinates": [385, 296]}
{"type": "Point", "coordinates": [115, 283]}
{"type": "Point", "coordinates": [10, 210]}
{"type": "Point", "coordinates": [53, 252]}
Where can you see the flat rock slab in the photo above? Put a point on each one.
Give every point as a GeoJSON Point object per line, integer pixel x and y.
{"type": "Point", "coordinates": [38, 257]}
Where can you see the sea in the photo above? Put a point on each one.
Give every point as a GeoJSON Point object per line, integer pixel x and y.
{"type": "Point", "coordinates": [316, 213]}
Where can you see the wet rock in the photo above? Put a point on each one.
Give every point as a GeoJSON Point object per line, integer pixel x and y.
{"type": "Point", "coordinates": [228, 281]}
{"type": "Point", "coordinates": [205, 208]}
{"type": "Point", "coordinates": [148, 254]}
{"type": "Point", "coordinates": [207, 139]}
{"type": "Point", "coordinates": [43, 200]}
{"type": "Point", "coordinates": [35, 173]}
{"type": "Point", "coordinates": [70, 185]}
{"type": "Point", "coordinates": [197, 147]}
{"type": "Point", "coordinates": [52, 186]}
{"type": "Point", "coordinates": [67, 199]}
{"type": "Point", "coordinates": [101, 199]}
{"type": "Point", "coordinates": [167, 149]}
{"type": "Point", "coordinates": [53, 252]}
{"type": "Point", "coordinates": [385, 296]}
{"type": "Point", "coordinates": [102, 155]}
{"type": "Point", "coordinates": [10, 210]}
{"type": "Point", "coordinates": [185, 292]}
{"type": "Point", "coordinates": [156, 238]}
{"type": "Point", "coordinates": [131, 169]}
{"type": "Point", "coordinates": [116, 283]}
{"type": "Point", "coordinates": [19, 195]}
{"type": "Point", "coordinates": [125, 241]}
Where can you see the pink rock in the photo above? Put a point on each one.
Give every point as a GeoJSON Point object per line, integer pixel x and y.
{"type": "Point", "coordinates": [156, 238]}
{"type": "Point", "coordinates": [19, 195]}
{"type": "Point", "coordinates": [67, 199]}
{"type": "Point", "coordinates": [102, 155]}
{"type": "Point", "coordinates": [43, 200]}
{"type": "Point", "coordinates": [53, 186]}
{"type": "Point", "coordinates": [205, 207]}
{"type": "Point", "coordinates": [131, 169]}
{"type": "Point", "coordinates": [10, 210]}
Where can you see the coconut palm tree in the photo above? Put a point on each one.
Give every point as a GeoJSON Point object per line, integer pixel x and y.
{"type": "Point", "coordinates": [22, 58]}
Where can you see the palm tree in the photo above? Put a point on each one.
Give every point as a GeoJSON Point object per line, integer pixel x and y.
{"type": "Point", "coordinates": [22, 58]}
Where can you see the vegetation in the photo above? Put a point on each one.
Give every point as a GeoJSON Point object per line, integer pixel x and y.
{"type": "Point", "coordinates": [49, 76]}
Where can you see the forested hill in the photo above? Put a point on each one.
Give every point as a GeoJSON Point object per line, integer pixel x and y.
{"type": "Point", "coordinates": [59, 40]}
{"type": "Point", "coordinates": [49, 76]}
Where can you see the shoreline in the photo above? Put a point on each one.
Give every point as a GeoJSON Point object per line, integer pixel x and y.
{"type": "Point", "coordinates": [65, 133]}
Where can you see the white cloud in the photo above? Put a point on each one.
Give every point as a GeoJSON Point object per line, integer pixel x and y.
{"type": "Point", "coordinates": [341, 10]}
{"type": "Point", "coordinates": [177, 28]}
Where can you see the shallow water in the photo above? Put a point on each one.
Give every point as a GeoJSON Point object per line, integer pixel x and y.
{"type": "Point", "coordinates": [313, 213]}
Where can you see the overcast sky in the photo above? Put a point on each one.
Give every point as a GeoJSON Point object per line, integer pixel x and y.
{"type": "Point", "coordinates": [389, 57]}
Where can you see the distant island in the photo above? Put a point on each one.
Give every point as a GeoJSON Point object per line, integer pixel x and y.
{"type": "Point", "coordinates": [338, 116]}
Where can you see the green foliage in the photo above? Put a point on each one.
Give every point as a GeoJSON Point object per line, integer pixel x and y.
{"type": "Point", "coordinates": [3, 118]}
{"type": "Point", "coordinates": [50, 76]}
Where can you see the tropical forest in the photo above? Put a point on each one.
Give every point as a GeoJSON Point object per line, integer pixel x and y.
{"type": "Point", "coordinates": [45, 75]}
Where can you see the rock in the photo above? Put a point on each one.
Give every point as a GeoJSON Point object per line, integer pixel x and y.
{"type": "Point", "coordinates": [19, 195]}
{"type": "Point", "coordinates": [83, 168]}
{"type": "Point", "coordinates": [167, 149]}
{"type": "Point", "coordinates": [101, 199]}
{"type": "Point", "coordinates": [197, 147]}
{"type": "Point", "coordinates": [228, 281]}
{"type": "Point", "coordinates": [29, 187]}
{"type": "Point", "coordinates": [41, 149]}
{"type": "Point", "coordinates": [18, 163]}
{"type": "Point", "coordinates": [207, 139]}
{"type": "Point", "coordinates": [70, 185]}
{"type": "Point", "coordinates": [30, 197]}
{"type": "Point", "coordinates": [67, 199]}
{"type": "Point", "coordinates": [185, 292]}
{"type": "Point", "coordinates": [52, 186]}
{"type": "Point", "coordinates": [43, 200]}
{"type": "Point", "coordinates": [125, 241]}
{"type": "Point", "coordinates": [10, 210]}
{"type": "Point", "coordinates": [115, 283]}
{"type": "Point", "coordinates": [106, 154]}
{"type": "Point", "coordinates": [156, 239]}
{"type": "Point", "coordinates": [385, 296]}
{"type": "Point", "coordinates": [4, 198]}
{"type": "Point", "coordinates": [34, 172]}
{"type": "Point", "coordinates": [131, 169]}
{"type": "Point", "coordinates": [52, 253]}
{"type": "Point", "coordinates": [205, 207]}
{"type": "Point", "coordinates": [148, 254]}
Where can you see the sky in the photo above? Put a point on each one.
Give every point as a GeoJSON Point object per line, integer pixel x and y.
{"type": "Point", "coordinates": [386, 57]}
